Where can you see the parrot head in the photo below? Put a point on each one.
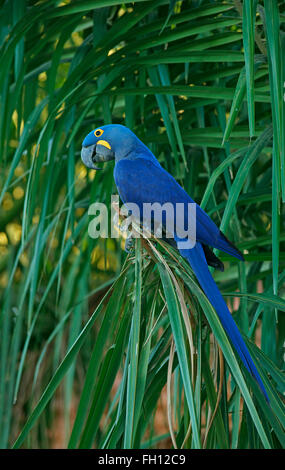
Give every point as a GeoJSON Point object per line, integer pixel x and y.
{"type": "Point", "coordinates": [110, 142]}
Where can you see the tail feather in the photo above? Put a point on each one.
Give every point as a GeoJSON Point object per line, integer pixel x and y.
{"type": "Point", "coordinates": [196, 258]}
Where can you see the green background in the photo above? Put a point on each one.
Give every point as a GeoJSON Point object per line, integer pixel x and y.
{"type": "Point", "coordinates": [108, 350]}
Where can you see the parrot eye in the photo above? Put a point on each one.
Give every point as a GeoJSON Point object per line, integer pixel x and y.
{"type": "Point", "coordinates": [98, 132]}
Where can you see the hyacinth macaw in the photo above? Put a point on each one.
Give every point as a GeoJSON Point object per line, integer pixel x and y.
{"type": "Point", "coordinates": [141, 179]}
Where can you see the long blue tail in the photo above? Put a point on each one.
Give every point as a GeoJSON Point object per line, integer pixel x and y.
{"type": "Point", "coordinates": [197, 261]}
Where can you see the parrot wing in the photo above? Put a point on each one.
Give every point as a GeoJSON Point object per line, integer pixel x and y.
{"type": "Point", "coordinates": [140, 181]}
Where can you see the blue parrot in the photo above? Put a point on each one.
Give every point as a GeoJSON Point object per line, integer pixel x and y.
{"type": "Point", "coordinates": [141, 179]}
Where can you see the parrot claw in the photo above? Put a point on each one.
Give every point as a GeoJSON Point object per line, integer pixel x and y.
{"type": "Point", "coordinates": [129, 244]}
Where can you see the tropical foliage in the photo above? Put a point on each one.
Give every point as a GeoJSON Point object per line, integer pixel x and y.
{"type": "Point", "coordinates": [96, 344]}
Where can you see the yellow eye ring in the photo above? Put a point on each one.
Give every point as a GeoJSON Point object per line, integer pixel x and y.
{"type": "Point", "coordinates": [98, 132]}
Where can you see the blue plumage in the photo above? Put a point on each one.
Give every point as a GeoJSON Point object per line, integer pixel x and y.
{"type": "Point", "coordinates": [141, 179]}
{"type": "Point", "coordinates": [197, 261]}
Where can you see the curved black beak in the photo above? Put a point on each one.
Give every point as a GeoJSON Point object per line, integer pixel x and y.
{"type": "Point", "coordinates": [96, 153]}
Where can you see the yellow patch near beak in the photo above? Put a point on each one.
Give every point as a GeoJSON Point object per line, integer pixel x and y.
{"type": "Point", "coordinates": [104, 143]}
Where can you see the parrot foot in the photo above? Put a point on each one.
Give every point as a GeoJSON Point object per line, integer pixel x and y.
{"type": "Point", "coordinates": [129, 243]}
